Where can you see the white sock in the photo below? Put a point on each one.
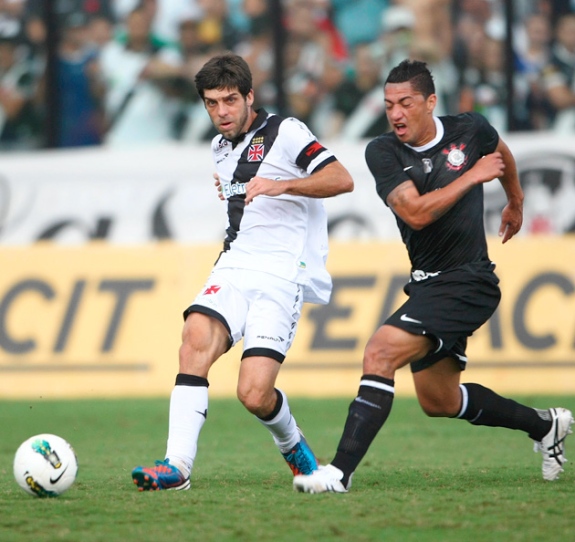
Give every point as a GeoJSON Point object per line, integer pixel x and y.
{"type": "Point", "coordinates": [283, 427]}
{"type": "Point", "coordinates": [188, 411]}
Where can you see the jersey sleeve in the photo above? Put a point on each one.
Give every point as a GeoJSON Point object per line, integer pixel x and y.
{"type": "Point", "coordinates": [384, 166]}
{"type": "Point", "coordinates": [487, 135]}
{"type": "Point", "coordinates": [302, 147]}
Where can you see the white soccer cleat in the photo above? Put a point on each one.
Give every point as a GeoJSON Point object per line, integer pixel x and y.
{"type": "Point", "coordinates": [326, 479]}
{"type": "Point", "coordinates": [552, 446]}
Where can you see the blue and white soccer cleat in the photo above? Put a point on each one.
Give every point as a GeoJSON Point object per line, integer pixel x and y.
{"type": "Point", "coordinates": [300, 459]}
{"type": "Point", "coordinates": [162, 476]}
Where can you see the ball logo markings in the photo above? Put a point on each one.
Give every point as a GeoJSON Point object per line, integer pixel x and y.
{"type": "Point", "coordinates": [45, 465]}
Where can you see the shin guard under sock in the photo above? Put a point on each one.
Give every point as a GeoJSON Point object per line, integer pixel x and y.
{"type": "Point", "coordinates": [482, 406]}
{"type": "Point", "coordinates": [367, 414]}
{"type": "Point", "coordinates": [188, 412]}
{"type": "Point", "coordinates": [281, 424]}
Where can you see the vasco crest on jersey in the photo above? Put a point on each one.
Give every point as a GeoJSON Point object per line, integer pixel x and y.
{"type": "Point", "coordinates": [257, 149]}
{"type": "Point", "coordinates": [456, 158]}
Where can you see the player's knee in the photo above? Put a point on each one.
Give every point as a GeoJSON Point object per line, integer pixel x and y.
{"type": "Point", "coordinates": [203, 341]}
{"type": "Point", "coordinates": [194, 359]}
{"type": "Point", "coordinates": [253, 399]}
{"type": "Point", "coordinates": [185, 355]}
{"type": "Point", "coordinates": [389, 349]}
{"type": "Point", "coordinates": [437, 408]}
{"type": "Point", "coordinates": [434, 411]}
{"type": "Point", "coordinates": [379, 359]}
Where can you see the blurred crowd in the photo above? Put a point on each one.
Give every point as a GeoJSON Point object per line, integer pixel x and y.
{"type": "Point", "coordinates": [125, 68]}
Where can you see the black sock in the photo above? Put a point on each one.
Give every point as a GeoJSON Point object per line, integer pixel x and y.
{"type": "Point", "coordinates": [481, 406]}
{"type": "Point", "coordinates": [183, 379]}
{"type": "Point", "coordinates": [367, 413]}
{"type": "Point", "coordinates": [277, 408]}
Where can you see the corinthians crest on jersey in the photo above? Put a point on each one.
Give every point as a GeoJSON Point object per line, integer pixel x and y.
{"type": "Point", "coordinates": [456, 158]}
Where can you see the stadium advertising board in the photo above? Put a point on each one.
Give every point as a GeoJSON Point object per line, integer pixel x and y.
{"type": "Point", "coordinates": [141, 195]}
{"type": "Point", "coordinates": [103, 320]}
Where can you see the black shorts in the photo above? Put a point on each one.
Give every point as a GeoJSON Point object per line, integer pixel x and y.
{"type": "Point", "coordinates": [448, 308]}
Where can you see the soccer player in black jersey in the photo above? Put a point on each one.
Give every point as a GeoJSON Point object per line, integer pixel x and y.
{"type": "Point", "coordinates": [430, 171]}
{"type": "Point", "coordinates": [273, 174]}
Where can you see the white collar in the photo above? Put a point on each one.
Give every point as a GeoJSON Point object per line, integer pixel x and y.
{"type": "Point", "coordinates": [439, 131]}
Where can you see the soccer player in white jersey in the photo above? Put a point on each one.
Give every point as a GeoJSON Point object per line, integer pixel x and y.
{"type": "Point", "coordinates": [273, 173]}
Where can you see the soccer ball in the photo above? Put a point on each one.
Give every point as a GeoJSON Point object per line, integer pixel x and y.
{"type": "Point", "coordinates": [45, 465]}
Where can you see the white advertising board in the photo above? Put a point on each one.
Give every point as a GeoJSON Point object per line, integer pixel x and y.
{"type": "Point", "coordinates": [140, 195]}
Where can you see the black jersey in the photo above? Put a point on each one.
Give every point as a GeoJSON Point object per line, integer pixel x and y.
{"type": "Point", "coordinates": [458, 237]}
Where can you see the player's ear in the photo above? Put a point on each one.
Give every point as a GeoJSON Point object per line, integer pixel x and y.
{"type": "Point", "coordinates": [431, 103]}
{"type": "Point", "coordinates": [250, 98]}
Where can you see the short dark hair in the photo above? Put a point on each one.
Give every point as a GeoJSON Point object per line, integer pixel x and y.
{"type": "Point", "coordinates": [227, 70]}
{"type": "Point", "coordinates": [415, 72]}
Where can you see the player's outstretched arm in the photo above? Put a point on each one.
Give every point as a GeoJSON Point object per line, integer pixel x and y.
{"type": "Point", "coordinates": [512, 214]}
{"type": "Point", "coordinates": [329, 181]}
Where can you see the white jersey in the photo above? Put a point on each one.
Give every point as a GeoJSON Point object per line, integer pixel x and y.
{"type": "Point", "coordinates": [285, 235]}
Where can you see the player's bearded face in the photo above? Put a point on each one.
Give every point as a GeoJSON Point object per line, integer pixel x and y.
{"type": "Point", "coordinates": [410, 114]}
{"type": "Point", "coordinates": [229, 111]}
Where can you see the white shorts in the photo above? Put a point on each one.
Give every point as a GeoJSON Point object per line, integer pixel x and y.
{"type": "Point", "coordinates": [261, 308]}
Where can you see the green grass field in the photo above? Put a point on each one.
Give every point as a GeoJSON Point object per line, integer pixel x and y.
{"type": "Point", "coordinates": [422, 480]}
